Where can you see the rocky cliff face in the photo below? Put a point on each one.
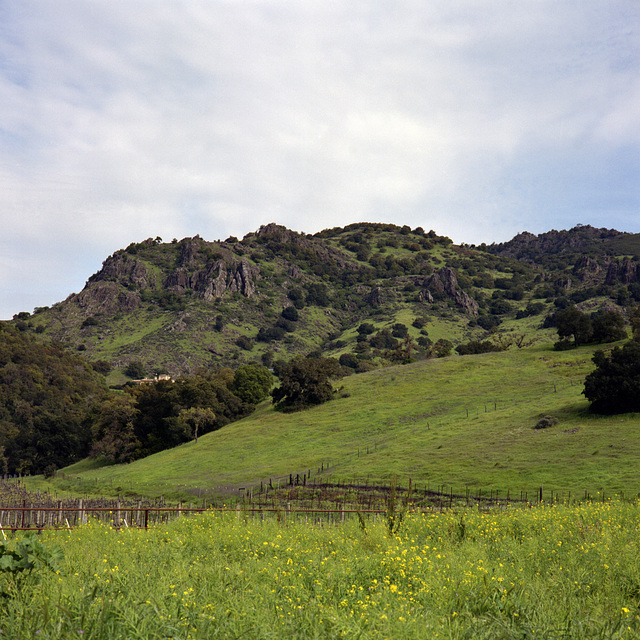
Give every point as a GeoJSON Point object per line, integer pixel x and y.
{"type": "Point", "coordinates": [624, 271]}
{"type": "Point", "coordinates": [580, 239]}
{"type": "Point", "coordinates": [215, 279]}
{"type": "Point", "coordinates": [444, 283]}
{"type": "Point", "coordinates": [119, 285]}
{"type": "Point", "coordinates": [106, 298]}
{"type": "Point", "coordinates": [126, 270]}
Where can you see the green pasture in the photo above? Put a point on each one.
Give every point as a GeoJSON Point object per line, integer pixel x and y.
{"type": "Point", "coordinates": [460, 422]}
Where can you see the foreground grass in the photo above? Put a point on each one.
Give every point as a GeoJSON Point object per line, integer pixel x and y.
{"type": "Point", "coordinates": [554, 572]}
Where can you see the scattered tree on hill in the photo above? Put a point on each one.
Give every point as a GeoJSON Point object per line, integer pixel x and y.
{"type": "Point", "coordinates": [608, 326]}
{"type": "Point", "coordinates": [135, 370]}
{"type": "Point", "coordinates": [572, 323]}
{"type": "Point", "coordinates": [602, 326]}
{"type": "Point", "coordinates": [348, 360]}
{"type": "Point", "coordinates": [305, 382]}
{"type": "Point", "coordinates": [399, 330]}
{"type": "Point", "coordinates": [252, 383]}
{"type": "Point", "coordinates": [442, 348]}
{"type": "Point", "coordinates": [634, 321]}
{"type": "Point", "coordinates": [197, 420]}
{"type": "Point", "coordinates": [478, 346]}
{"type": "Point", "coordinates": [614, 386]}
{"type": "Point", "coordinates": [290, 313]}
{"type": "Point", "coordinates": [403, 353]}
{"type": "Point", "coordinates": [365, 329]}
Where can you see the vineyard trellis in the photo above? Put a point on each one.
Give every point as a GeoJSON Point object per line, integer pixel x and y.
{"type": "Point", "coordinates": [323, 502]}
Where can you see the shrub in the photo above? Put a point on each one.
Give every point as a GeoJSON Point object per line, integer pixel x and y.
{"type": "Point", "coordinates": [290, 313]}
{"type": "Point", "coordinates": [545, 422]}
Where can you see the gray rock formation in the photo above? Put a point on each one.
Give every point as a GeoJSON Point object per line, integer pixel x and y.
{"type": "Point", "coordinates": [444, 284]}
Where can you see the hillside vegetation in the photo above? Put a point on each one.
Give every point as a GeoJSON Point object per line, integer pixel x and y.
{"type": "Point", "coordinates": [458, 421]}
{"type": "Point", "coordinates": [175, 306]}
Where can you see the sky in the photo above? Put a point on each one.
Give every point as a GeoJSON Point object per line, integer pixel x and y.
{"type": "Point", "coordinates": [122, 120]}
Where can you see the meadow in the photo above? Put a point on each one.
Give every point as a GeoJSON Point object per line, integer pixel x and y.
{"type": "Point", "coordinates": [545, 572]}
{"type": "Point", "coordinates": [461, 422]}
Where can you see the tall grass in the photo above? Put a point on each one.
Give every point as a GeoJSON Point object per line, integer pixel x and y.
{"type": "Point", "coordinates": [553, 572]}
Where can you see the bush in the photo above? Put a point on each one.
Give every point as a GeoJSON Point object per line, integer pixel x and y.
{"type": "Point", "coordinates": [399, 330]}
{"type": "Point", "coordinates": [545, 422]}
{"type": "Point", "coordinates": [50, 471]}
{"type": "Point", "coordinates": [477, 346]}
{"type": "Point", "coordinates": [488, 322]}
{"type": "Point", "coordinates": [290, 313]}
{"type": "Point", "coordinates": [101, 366]}
{"type": "Point", "coordinates": [348, 360]}
{"type": "Point", "coordinates": [244, 343]}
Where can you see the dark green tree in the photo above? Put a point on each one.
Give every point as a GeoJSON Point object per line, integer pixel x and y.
{"type": "Point", "coordinates": [305, 382]}
{"type": "Point", "coordinates": [608, 326]}
{"type": "Point", "coordinates": [290, 313]}
{"type": "Point", "coordinates": [572, 323]}
{"type": "Point", "coordinates": [614, 385]}
{"type": "Point", "coordinates": [135, 370]}
{"type": "Point", "coordinates": [114, 439]}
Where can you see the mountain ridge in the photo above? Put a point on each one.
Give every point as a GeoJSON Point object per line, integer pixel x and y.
{"type": "Point", "coordinates": [190, 303]}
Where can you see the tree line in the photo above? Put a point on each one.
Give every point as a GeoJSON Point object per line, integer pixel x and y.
{"type": "Point", "coordinates": [56, 409]}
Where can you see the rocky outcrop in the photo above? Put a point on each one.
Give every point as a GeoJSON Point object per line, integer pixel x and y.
{"type": "Point", "coordinates": [586, 268]}
{"type": "Point", "coordinates": [375, 298]}
{"type": "Point", "coordinates": [563, 283]}
{"type": "Point", "coordinates": [579, 239]}
{"type": "Point", "coordinates": [126, 270]}
{"type": "Point", "coordinates": [242, 279]}
{"type": "Point", "coordinates": [189, 249]}
{"type": "Point", "coordinates": [444, 284]}
{"type": "Point", "coordinates": [107, 298]}
{"type": "Point", "coordinates": [215, 279]}
{"type": "Point", "coordinates": [294, 271]}
{"type": "Point", "coordinates": [624, 271]}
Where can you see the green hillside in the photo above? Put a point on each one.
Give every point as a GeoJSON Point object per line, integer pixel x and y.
{"type": "Point", "coordinates": [176, 306]}
{"type": "Point", "coordinates": [459, 421]}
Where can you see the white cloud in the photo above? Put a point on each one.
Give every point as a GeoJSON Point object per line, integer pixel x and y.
{"type": "Point", "coordinates": [123, 120]}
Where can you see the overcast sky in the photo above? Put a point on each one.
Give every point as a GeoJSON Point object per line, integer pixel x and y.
{"type": "Point", "coordinates": [127, 119]}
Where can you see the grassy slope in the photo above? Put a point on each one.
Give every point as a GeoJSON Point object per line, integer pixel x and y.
{"type": "Point", "coordinates": [459, 421]}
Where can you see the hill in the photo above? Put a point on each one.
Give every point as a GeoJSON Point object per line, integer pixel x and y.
{"type": "Point", "coordinates": [461, 422]}
{"type": "Point", "coordinates": [173, 307]}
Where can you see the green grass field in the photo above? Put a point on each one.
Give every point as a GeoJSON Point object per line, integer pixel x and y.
{"type": "Point", "coordinates": [459, 422]}
{"type": "Point", "coordinates": [547, 572]}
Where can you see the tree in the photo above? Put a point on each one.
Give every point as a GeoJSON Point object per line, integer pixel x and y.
{"type": "Point", "coordinates": [114, 438]}
{"type": "Point", "coordinates": [399, 330]}
{"type": "Point", "coordinates": [252, 383]}
{"type": "Point", "coordinates": [442, 348]}
{"type": "Point", "coordinates": [608, 326]}
{"type": "Point", "coordinates": [614, 386]}
{"type": "Point", "coordinates": [290, 313]}
{"type": "Point", "coordinates": [571, 322]}
{"type": "Point", "coordinates": [305, 382]}
{"type": "Point", "coordinates": [365, 329]}
{"type": "Point", "coordinates": [197, 419]}
{"type": "Point", "coordinates": [317, 294]}
{"type": "Point", "coordinates": [634, 320]}
{"type": "Point", "coordinates": [135, 370]}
